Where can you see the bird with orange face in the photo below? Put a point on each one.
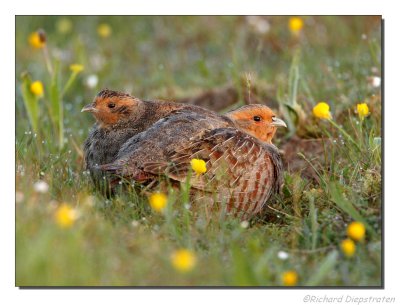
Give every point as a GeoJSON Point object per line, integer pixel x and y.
{"type": "Point", "coordinates": [119, 117]}
{"type": "Point", "coordinates": [243, 167]}
{"type": "Point", "coordinates": [257, 120]}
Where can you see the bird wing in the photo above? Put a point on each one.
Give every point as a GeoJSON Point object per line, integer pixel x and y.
{"type": "Point", "coordinates": [242, 170]}
{"type": "Point", "coordinates": [156, 145]}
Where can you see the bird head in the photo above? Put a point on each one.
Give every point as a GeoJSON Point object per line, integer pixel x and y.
{"type": "Point", "coordinates": [112, 107]}
{"type": "Point", "coordinates": [257, 120]}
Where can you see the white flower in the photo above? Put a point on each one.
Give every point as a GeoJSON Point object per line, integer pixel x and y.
{"type": "Point", "coordinates": [259, 24]}
{"type": "Point", "coordinates": [244, 224]}
{"type": "Point", "coordinates": [41, 186]}
{"type": "Point", "coordinates": [374, 81]}
{"type": "Point", "coordinates": [283, 255]}
{"type": "Point", "coordinates": [135, 223]}
{"type": "Point", "coordinates": [92, 80]}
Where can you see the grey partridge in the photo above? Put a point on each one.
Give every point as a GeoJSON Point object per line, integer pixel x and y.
{"type": "Point", "coordinates": [244, 169]}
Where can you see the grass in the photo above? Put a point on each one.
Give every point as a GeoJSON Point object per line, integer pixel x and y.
{"type": "Point", "coordinates": [121, 241]}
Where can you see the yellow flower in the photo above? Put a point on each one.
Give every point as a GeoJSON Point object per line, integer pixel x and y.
{"type": "Point", "coordinates": [65, 216]}
{"type": "Point", "coordinates": [356, 231]}
{"type": "Point", "coordinates": [37, 39]}
{"type": "Point", "coordinates": [199, 166]}
{"type": "Point", "coordinates": [37, 88]}
{"type": "Point", "coordinates": [183, 260]}
{"type": "Point", "coordinates": [348, 247]}
{"type": "Point", "coordinates": [321, 111]}
{"type": "Point", "coordinates": [64, 25]}
{"type": "Point", "coordinates": [289, 278]}
{"type": "Point", "coordinates": [104, 30]}
{"type": "Point", "coordinates": [362, 110]}
{"type": "Point", "coordinates": [76, 68]}
{"type": "Point", "coordinates": [295, 25]}
{"type": "Point", "coordinates": [158, 201]}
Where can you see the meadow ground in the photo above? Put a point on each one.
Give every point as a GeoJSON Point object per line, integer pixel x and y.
{"type": "Point", "coordinates": [69, 234]}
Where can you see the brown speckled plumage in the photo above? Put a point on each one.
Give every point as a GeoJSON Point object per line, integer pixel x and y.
{"type": "Point", "coordinates": [242, 171]}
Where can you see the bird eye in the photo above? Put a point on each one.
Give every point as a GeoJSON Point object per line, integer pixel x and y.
{"type": "Point", "coordinates": [111, 105]}
{"type": "Point", "coordinates": [257, 118]}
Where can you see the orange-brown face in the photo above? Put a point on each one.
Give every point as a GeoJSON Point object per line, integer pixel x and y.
{"type": "Point", "coordinates": [257, 120]}
{"type": "Point", "coordinates": [112, 108]}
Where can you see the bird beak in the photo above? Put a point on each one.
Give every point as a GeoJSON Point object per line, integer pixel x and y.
{"type": "Point", "coordinates": [278, 122]}
{"type": "Point", "coordinates": [89, 108]}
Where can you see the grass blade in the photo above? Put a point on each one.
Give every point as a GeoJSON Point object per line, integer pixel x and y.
{"type": "Point", "coordinates": [30, 101]}
{"type": "Point", "coordinates": [314, 224]}
{"type": "Point", "coordinates": [346, 206]}
{"type": "Point", "coordinates": [244, 275]}
{"type": "Point", "coordinates": [326, 266]}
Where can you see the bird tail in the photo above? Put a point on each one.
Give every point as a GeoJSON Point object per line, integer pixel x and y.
{"type": "Point", "coordinates": [124, 171]}
{"type": "Point", "coordinates": [112, 168]}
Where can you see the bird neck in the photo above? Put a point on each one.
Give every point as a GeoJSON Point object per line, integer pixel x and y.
{"type": "Point", "coordinates": [155, 110]}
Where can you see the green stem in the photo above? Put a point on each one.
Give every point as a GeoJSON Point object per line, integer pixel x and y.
{"type": "Point", "coordinates": [61, 111]}
{"type": "Point", "coordinates": [294, 77]}
{"type": "Point", "coordinates": [61, 126]}
{"type": "Point", "coordinates": [295, 86]}
{"type": "Point", "coordinates": [69, 83]}
{"type": "Point", "coordinates": [47, 60]}
{"type": "Point", "coordinates": [361, 131]}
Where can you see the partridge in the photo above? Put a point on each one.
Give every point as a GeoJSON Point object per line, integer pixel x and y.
{"type": "Point", "coordinates": [244, 169]}
{"type": "Point", "coordinates": [120, 116]}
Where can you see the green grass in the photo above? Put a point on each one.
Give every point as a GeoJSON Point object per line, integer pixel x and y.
{"type": "Point", "coordinates": [121, 241]}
